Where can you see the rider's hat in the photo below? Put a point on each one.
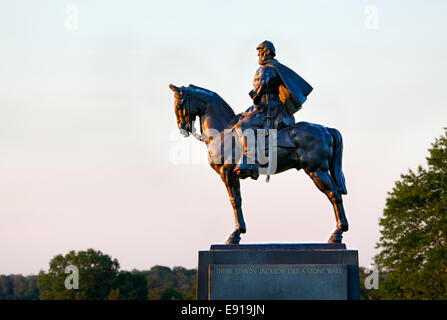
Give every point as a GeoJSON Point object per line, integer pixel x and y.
{"type": "Point", "coordinates": [267, 45]}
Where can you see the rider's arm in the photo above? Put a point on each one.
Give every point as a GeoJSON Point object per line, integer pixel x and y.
{"type": "Point", "coordinates": [261, 83]}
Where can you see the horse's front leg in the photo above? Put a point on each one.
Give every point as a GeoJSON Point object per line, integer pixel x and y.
{"type": "Point", "coordinates": [231, 181]}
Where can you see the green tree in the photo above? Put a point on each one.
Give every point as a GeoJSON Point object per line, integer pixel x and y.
{"type": "Point", "coordinates": [97, 276]}
{"type": "Point", "coordinates": [114, 294]}
{"type": "Point", "coordinates": [18, 287]}
{"type": "Point", "coordinates": [6, 288]}
{"type": "Point", "coordinates": [414, 227]}
{"type": "Point", "coordinates": [190, 291]}
{"type": "Point", "coordinates": [171, 293]}
{"type": "Point", "coordinates": [131, 286]}
{"type": "Point", "coordinates": [24, 288]}
{"type": "Point", "coordinates": [167, 284]}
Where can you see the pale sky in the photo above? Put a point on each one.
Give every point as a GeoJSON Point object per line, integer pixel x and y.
{"type": "Point", "coordinates": [91, 156]}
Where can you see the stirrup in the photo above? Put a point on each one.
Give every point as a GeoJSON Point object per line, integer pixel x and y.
{"type": "Point", "coordinates": [244, 173]}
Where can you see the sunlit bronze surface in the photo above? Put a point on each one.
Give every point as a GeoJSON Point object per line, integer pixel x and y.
{"type": "Point", "coordinates": [278, 93]}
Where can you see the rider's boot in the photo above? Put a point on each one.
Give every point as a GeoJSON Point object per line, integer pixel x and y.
{"type": "Point", "coordinates": [247, 167]}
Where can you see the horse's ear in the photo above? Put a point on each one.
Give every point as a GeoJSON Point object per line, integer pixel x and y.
{"type": "Point", "coordinates": [174, 88]}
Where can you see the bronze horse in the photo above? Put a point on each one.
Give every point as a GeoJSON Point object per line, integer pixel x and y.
{"type": "Point", "coordinates": [314, 148]}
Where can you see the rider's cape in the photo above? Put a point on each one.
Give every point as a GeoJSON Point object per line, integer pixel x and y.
{"type": "Point", "coordinates": [294, 90]}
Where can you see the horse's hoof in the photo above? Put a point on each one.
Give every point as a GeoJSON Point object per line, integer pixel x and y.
{"type": "Point", "coordinates": [234, 238]}
{"type": "Point", "coordinates": [331, 240]}
{"type": "Point", "coordinates": [336, 237]}
{"type": "Point", "coordinates": [232, 241]}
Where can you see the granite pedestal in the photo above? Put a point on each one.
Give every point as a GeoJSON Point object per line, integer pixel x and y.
{"type": "Point", "coordinates": [278, 272]}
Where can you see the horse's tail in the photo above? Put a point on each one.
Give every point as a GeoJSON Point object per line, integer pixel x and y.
{"type": "Point", "coordinates": [335, 165]}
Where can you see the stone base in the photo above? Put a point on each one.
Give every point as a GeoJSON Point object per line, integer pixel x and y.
{"type": "Point", "coordinates": [278, 272]}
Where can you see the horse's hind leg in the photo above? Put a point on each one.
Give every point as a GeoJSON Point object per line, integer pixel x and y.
{"type": "Point", "coordinates": [231, 181]}
{"type": "Point", "coordinates": [324, 182]}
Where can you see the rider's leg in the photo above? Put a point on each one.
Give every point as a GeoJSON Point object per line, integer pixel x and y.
{"type": "Point", "coordinates": [246, 134]}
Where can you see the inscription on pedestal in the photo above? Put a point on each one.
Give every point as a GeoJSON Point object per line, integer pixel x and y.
{"type": "Point", "coordinates": [278, 282]}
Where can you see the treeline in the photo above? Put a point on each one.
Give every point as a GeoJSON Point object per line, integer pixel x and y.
{"type": "Point", "coordinates": [18, 287]}
{"type": "Point", "coordinates": [166, 284]}
{"type": "Point", "coordinates": [158, 283]}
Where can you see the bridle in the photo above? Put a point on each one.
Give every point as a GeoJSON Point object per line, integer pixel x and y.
{"type": "Point", "coordinates": [186, 104]}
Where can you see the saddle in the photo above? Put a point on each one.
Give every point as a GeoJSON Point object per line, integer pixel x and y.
{"type": "Point", "coordinates": [285, 138]}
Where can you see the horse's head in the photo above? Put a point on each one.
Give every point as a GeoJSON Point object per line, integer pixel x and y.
{"type": "Point", "coordinates": [181, 101]}
{"type": "Point", "coordinates": [194, 101]}
{"type": "Point", "coordinates": [184, 109]}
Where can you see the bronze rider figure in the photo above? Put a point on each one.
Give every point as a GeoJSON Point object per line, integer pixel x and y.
{"type": "Point", "coordinates": [277, 94]}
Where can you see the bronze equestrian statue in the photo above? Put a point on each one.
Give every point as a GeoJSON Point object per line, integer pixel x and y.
{"type": "Point", "coordinates": [278, 93]}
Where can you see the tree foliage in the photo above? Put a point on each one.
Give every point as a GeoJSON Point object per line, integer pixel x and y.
{"type": "Point", "coordinates": [18, 287]}
{"type": "Point", "coordinates": [414, 227]}
{"type": "Point", "coordinates": [131, 286]}
{"type": "Point", "coordinates": [163, 283]}
{"type": "Point", "coordinates": [99, 278]}
{"type": "Point", "coordinates": [176, 284]}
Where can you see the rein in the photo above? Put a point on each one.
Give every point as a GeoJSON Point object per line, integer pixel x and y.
{"type": "Point", "coordinates": [190, 122]}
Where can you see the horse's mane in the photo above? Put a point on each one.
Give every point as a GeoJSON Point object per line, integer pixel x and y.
{"type": "Point", "coordinates": [210, 97]}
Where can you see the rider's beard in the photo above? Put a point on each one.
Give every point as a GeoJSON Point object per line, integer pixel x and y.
{"type": "Point", "coordinates": [264, 58]}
